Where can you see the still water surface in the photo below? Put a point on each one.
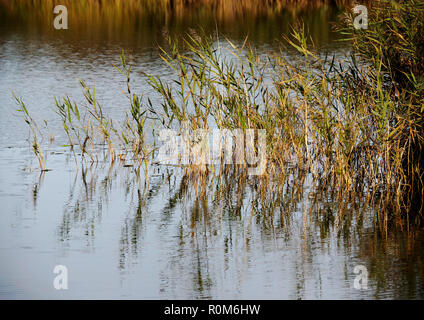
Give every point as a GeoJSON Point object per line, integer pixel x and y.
{"type": "Point", "coordinates": [174, 237]}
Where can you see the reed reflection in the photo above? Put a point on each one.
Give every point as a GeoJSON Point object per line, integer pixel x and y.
{"type": "Point", "coordinates": [218, 227]}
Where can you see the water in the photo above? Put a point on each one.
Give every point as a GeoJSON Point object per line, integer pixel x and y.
{"type": "Point", "coordinates": [176, 237]}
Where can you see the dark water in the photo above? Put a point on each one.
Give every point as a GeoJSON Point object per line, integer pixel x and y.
{"type": "Point", "coordinates": [176, 236]}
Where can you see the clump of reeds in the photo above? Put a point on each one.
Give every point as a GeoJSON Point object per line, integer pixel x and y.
{"type": "Point", "coordinates": [32, 124]}
{"type": "Point", "coordinates": [393, 44]}
{"type": "Point", "coordinates": [133, 135]}
{"type": "Point", "coordinates": [335, 120]}
{"type": "Point", "coordinates": [348, 124]}
{"type": "Point", "coordinates": [89, 127]}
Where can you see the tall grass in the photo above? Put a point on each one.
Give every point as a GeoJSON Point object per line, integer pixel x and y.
{"type": "Point", "coordinates": [329, 118]}
{"type": "Point", "coordinates": [394, 44]}
{"type": "Point", "coordinates": [34, 132]}
{"type": "Point", "coordinates": [351, 125]}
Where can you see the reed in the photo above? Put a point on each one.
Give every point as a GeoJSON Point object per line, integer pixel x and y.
{"type": "Point", "coordinates": [336, 120]}
{"type": "Point", "coordinates": [351, 125]}
{"type": "Point", "coordinates": [394, 44]}
{"type": "Point", "coordinates": [133, 134]}
{"type": "Point", "coordinates": [34, 130]}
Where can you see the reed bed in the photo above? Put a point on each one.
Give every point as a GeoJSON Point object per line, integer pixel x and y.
{"type": "Point", "coordinates": [328, 118]}
{"type": "Point", "coordinates": [394, 44]}
{"type": "Point", "coordinates": [349, 126]}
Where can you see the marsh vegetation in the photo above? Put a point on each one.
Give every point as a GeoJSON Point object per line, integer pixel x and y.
{"type": "Point", "coordinates": [344, 134]}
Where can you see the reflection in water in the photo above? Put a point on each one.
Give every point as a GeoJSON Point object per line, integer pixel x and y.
{"type": "Point", "coordinates": [231, 235]}
{"type": "Point", "coordinates": [395, 254]}
{"type": "Point", "coordinates": [142, 22]}
{"type": "Point", "coordinates": [35, 189]}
